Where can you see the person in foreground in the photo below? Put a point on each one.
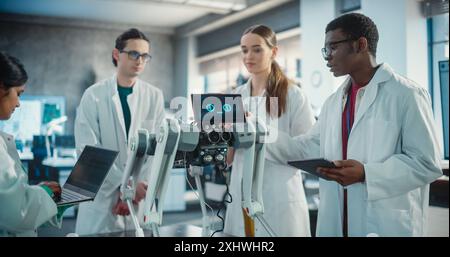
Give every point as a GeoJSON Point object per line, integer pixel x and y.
{"type": "Point", "coordinates": [23, 207]}
{"type": "Point", "coordinates": [378, 128]}
{"type": "Point", "coordinates": [110, 112]}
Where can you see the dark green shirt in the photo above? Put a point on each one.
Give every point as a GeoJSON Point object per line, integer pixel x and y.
{"type": "Point", "coordinates": [123, 94]}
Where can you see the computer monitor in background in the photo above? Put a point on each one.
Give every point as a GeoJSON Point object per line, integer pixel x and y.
{"type": "Point", "coordinates": [65, 141]}
{"type": "Point", "coordinates": [65, 146]}
{"type": "Point", "coordinates": [32, 115]}
{"type": "Point", "coordinates": [443, 78]}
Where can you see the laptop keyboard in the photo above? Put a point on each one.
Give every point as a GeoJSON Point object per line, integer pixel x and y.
{"type": "Point", "coordinates": [69, 196]}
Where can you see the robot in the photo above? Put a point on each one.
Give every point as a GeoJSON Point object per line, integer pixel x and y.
{"type": "Point", "coordinates": [199, 147]}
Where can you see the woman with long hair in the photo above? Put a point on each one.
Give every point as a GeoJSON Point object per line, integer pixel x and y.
{"type": "Point", "coordinates": [272, 97]}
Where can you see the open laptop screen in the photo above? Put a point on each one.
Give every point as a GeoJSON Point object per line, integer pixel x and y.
{"type": "Point", "coordinates": [91, 168]}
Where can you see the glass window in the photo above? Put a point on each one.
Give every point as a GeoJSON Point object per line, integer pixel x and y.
{"type": "Point", "coordinates": [438, 43]}
{"type": "Point", "coordinates": [345, 6]}
{"type": "Point", "coordinates": [443, 79]}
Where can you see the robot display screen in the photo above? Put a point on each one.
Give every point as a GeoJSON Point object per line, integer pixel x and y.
{"type": "Point", "coordinates": [216, 109]}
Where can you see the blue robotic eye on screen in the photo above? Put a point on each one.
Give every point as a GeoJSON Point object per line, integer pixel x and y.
{"type": "Point", "coordinates": [218, 108]}
{"type": "Point", "coordinates": [226, 108]}
{"type": "Point", "coordinates": [210, 107]}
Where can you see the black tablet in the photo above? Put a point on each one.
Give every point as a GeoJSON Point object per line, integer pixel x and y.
{"type": "Point", "coordinates": [311, 165]}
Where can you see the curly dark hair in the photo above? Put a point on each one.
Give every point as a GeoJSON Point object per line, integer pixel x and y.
{"type": "Point", "coordinates": [121, 41]}
{"type": "Point", "coordinates": [12, 72]}
{"type": "Point", "coordinates": [357, 25]}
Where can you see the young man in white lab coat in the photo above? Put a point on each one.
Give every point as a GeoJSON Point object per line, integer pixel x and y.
{"type": "Point", "coordinates": [378, 128]}
{"type": "Point", "coordinates": [110, 112]}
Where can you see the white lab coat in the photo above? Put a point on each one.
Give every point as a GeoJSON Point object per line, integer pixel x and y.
{"type": "Point", "coordinates": [285, 206]}
{"type": "Point", "coordinates": [23, 208]}
{"type": "Point", "coordinates": [100, 122]}
{"type": "Point", "coordinates": [393, 135]}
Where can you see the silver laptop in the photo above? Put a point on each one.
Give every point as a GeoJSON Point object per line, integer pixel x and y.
{"type": "Point", "coordinates": [87, 175]}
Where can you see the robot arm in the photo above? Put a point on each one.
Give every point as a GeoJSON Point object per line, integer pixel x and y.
{"type": "Point", "coordinates": [138, 145]}
{"type": "Point", "coordinates": [163, 146]}
{"type": "Point", "coordinates": [252, 140]}
{"type": "Point", "coordinates": [167, 141]}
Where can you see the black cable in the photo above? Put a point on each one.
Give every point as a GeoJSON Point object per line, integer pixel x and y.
{"type": "Point", "coordinates": [224, 200]}
{"type": "Point", "coordinates": [227, 193]}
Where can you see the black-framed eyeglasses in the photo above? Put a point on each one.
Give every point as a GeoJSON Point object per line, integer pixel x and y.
{"type": "Point", "coordinates": [135, 55]}
{"type": "Point", "coordinates": [326, 51]}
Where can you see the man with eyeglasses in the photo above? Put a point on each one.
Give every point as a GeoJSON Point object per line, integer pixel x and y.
{"type": "Point", "coordinates": [378, 128]}
{"type": "Point", "coordinates": [110, 112]}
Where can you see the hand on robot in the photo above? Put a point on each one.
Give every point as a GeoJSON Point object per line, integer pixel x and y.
{"type": "Point", "coordinates": [250, 117]}
{"type": "Point", "coordinates": [141, 190]}
{"type": "Point", "coordinates": [120, 208]}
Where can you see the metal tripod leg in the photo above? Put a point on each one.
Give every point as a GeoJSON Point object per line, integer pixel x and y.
{"type": "Point", "coordinates": [205, 220]}
{"type": "Point", "coordinates": [155, 230]}
{"type": "Point", "coordinates": [153, 225]}
{"type": "Point", "coordinates": [138, 229]}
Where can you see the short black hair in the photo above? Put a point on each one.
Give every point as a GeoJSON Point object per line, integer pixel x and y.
{"type": "Point", "coordinates": [12, 72]}
{"type": "Point", "coordinates": [357, 25]}
{"type": "Point", "coordinates": [121, 41]}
